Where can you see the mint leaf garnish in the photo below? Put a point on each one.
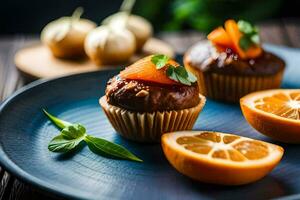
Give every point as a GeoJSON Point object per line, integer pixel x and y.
{"type": "Point", "coordinates": [181, 71]}
{"type": "Point", "coordinates": [58, 122]}
{"type": "Point", "coordinates": [73, 131]}
{"type": "Point", "coordinates": [255, 39]}
{"type": "Point", "coordinates": [72, 135]}
{"type": "Point", "coordinates": [245, 42]}
{"type": "Point", "coordinates": [160, 60]}
{"type": "Point", "coordinates": [191, 77]}
{"type": "Point", "coordinates": [171, 73]}
{"type": "Point", "coordinates": [250, 35]}
{"type": "Point", "coordinates": [104, 147]}
{"type": "Point", "coordinates": [245, 27]}
{"type": "Point", "coordinates": [178, 73]}
{"type": "Point", "coordinates": [181, 75]}
{"type": "Point", "coordinates": [62, 144]}
{"type": "Point", "coordinates": [183, 80]}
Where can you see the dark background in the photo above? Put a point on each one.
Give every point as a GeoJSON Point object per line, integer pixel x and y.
{"type": "Point", "coordinates": [30, 16]}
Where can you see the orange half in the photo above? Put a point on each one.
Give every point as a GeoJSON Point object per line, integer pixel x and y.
{"type": "Point", "coordinates": [220, 158]}
{"type": "Point", "coordinates": [275, 113]}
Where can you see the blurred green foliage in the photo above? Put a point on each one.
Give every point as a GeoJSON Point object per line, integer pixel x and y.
{"type": "Point", "coordinates": [203, 15]}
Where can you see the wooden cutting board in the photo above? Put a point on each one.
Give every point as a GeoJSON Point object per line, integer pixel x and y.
{"type": "Point", "coordinates": [37, 60]}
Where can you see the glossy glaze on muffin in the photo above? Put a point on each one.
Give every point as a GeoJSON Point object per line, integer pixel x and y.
{"type": "Point", "coordinates": [144, 96]}
{"type": "Point", "coordinates": [205, 57]}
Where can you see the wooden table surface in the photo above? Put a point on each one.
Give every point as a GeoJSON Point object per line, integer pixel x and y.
{"type": "Point", "coordinates": [282, 32]}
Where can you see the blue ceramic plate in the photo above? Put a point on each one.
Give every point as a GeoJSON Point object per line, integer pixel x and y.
{"type": "Point", "coordinates": [25, 133]}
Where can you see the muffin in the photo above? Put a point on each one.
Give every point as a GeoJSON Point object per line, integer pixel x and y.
{"type": "Point", "coordinates": [150, 97]}
{"type": "Point", "coordinates": [232, 63]}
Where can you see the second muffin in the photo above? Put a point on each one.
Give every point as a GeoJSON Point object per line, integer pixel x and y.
{"type": "Point", "coordinates": [232, 63]}
{"type": "Point", "coordinates": [153, 96]}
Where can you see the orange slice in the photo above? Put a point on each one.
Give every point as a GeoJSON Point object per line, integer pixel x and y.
{"type": "Point", "coordinates": [235, 35]}
{"type": "Point", "coordinates": [275, 113]}
{"type": "Point", "coordinates": [220, 158]}
{"type": "Point", "coordinates": [145, 70]}
{"type": "Point", "coordinates": [220, 37]}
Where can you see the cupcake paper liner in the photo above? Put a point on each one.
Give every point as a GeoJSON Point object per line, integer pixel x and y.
{"type": "Point", "coordinates": [231, 88]}
{"type": "Point", "coordinates": [149, 127]}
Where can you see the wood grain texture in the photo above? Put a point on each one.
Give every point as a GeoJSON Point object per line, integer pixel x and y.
{"type": "Point", "coordinates": [37, 60]}
{"type": "Point", "coordinates": [282, 32]}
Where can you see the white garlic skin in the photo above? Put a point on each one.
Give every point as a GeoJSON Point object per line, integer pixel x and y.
{"type": "Point", "coordinates": [141, 29]}
{"type": "Point", "coordinates": [108, 45]}
{"type": "Point", "coordinates": [64, 38]}
{"type": "Point", "coordinates": [137, 25]}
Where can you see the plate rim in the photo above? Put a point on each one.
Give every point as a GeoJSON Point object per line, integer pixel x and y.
{"type": "Point", "coordinates": [12, 167]}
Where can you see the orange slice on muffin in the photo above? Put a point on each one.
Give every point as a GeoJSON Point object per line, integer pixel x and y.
{"type": "Point", "coordinates": [220, 158]}
{"type": "Point", "coordinates": [230, 37]}
{"type": "Point", "coordinates": [146, 70]}
{"type": "Point", "coordinates": [220, 37]}
{"type": "Point", "coordinates": [275, 113]}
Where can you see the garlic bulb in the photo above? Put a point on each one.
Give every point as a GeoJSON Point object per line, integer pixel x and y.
{"type": "Point", "coordinates": [65, 36]}
{"type": "Point", "coordinates": [109, 45]}
{"type": "Point", "coordinates": [139, 26]}
{"type": "Point", "coordinates": [141, 29]}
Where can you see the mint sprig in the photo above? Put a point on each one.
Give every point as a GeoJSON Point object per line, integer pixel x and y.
{"type": "Point", "coordinates": [160, 60]}
{"type": "Point", "coordinates": [175, 73]}
{"type": "Point", "coordinates": [180, 74]}
{"type": "Point", "coordinates": [107, 148]}
{"type": "Point", "coordinates": [61, 144]}
{"type": "Point", "coordinates": [57, 122]}
{"type": "Point", "coordinates": [72, 135]}
{"type": "Point", "coordinates": [250, 35]}
{"type": "Point", "coordinates": [68, 139]}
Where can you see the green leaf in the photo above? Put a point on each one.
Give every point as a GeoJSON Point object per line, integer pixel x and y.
{"type": "Point", "coordinates": [171, 73]}
{"type": "Point", "coordinates": [72, 135]}
{"type": "Point", "coordinates": [191, 77]}
{"type": "Point", "coordinates": [255, 29]}
{"type": "Point", "coordinates": [245, 27]}
{"type": "Point", "coordinates": [250, 37]}
{"type": "Point", "coordinates": [160, 60]}
{"type": "Point", "coordinates": [180, 74]}
{"type": "Point", "coordinates": [58, 122]}
{"type": "Point", "coordinates": [68, 139]}
{"type": "Point", "coordinates": [180, 70]}
{"type": "Point", "coordinates": [183, 80]}
{"type": "Point", "coordinates": [104, 147]}
{"type": "Point", "coordinates": [62, 144]}
{"type": "Point", "coordinates": [73, 131]}
{"type": "Point", "coordinates": [245, 43]}
{"type": "Point", "coordinates": [255, 39]}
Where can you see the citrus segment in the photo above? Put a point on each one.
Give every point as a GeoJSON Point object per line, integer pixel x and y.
{"type": "Point", "coordinates": [252, 150]}
{"type": "Point", "coordinates": [220, 37]}
{"type": "Point", "coordinates": [275, 113]}
{"type": "Point", "coordinates": [282, 104]}
{"type": "Point", "coordinates": [220, 158]}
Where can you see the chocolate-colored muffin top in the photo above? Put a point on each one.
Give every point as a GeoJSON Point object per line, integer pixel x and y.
{"type": "Point", "coordinates": [144, 96]}
{"type": "Point", "coordinates": [206, 58]}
